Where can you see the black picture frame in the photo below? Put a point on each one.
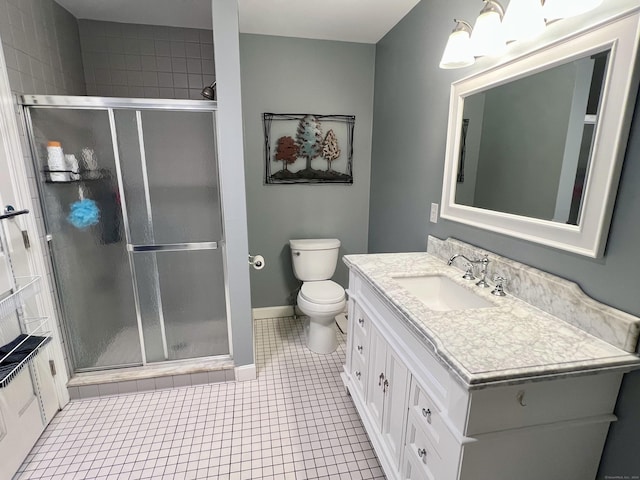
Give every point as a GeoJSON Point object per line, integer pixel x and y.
{"type": "Point", "coordinates": [288, 135]}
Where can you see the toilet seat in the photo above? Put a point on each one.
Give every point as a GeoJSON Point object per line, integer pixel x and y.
{"type": "Point", "coordinates": [324, 292]}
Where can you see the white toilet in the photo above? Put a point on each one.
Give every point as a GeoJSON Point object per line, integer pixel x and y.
{"type": "Point", "coordinates": [314, 262]}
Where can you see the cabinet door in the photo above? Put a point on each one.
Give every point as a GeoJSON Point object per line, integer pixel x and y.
{"type": "Point", "coordinates": [395, 404]}
{"type": "Point", "coordinates": [377, 376]}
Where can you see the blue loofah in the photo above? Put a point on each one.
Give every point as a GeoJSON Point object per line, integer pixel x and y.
{"type": "Point", "coordinates": [84, 214]}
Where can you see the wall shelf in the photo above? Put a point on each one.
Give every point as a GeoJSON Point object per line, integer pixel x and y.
{"type": "Point", "coordinates": [29, 286]}
{"type": "Point", "coordinates": [85, 175]}
{"type": "Point", "coordinates": [15, 355]}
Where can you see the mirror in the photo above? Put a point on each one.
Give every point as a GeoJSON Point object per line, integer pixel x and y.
{"type": "Point", "coordinates": [535, 146]}
{"type": "Point", "coordinates": [502, 164]}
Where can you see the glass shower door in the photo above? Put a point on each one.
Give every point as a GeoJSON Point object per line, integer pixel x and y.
{"type": "Point", "coordinates": [170, 182]}
{"type": "Point", "coordinates": [91, 263]}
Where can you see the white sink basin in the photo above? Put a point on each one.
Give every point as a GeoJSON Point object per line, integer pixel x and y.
{"type": "Point", "coordinates": [442, 294]}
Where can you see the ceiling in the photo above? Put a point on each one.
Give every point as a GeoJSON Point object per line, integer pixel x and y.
{"type": "Point", "coordinates": [365, 21]}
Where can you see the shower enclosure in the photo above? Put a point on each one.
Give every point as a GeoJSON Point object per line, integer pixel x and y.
{"type": "Point", "coordinates": [145, 282]}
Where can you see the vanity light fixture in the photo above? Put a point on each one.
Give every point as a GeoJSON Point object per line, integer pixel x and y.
{"type": "Point", "coordinates": [457, 53]}
{"type": "Point", "coordinates": [523, 19]}
{"type": "Point", "coordinates": [488, 36]}
{"type": "Point", "coordinates": [556, 9]}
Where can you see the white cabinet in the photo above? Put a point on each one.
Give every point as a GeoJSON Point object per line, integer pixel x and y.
{"type": "Point", "coordinates": [425, 424]}
{"type": "Point", "coordinates": [377, 380]}
{"type": "Point", "coordinates": [386, 393]}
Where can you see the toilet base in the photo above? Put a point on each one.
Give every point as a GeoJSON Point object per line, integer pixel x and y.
{"type": "Point", "coordinates": [321, 336]}
{"type": "Point", "coordinates": [321, 333]}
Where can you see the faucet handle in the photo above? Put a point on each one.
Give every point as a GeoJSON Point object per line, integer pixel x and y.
{"type": "Point", "coordinates": [468, 275]}
{"type": "Point", "coordinates": [499, 288]}
{"type": "Point", "coordinates": [484, 261]}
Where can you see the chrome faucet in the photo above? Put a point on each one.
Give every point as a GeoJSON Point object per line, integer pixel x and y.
{"type": "Point", "coordinates": [484, 261]}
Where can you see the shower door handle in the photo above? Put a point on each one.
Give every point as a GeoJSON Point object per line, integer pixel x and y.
{"type": "Point", "coordinates": [173, 247]}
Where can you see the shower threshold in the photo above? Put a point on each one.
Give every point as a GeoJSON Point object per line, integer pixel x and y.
{"type": "Point", "coordinates": [180, 373]}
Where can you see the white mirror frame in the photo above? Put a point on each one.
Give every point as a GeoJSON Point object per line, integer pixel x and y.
{"type": "Point", "coordinates": [620, 34]}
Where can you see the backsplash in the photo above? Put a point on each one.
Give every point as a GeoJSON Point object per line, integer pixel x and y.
{"type": "Point", "coordinates": [557, 296]}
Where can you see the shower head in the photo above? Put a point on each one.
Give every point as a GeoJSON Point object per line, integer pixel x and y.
{"type": "Point", "coordinates": [209, 92]}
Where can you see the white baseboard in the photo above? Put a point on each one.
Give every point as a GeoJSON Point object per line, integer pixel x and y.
{"type": "Point", "coordinates": [246, 372]}
{"type": "Point", "coordinates": [273, 312]}
{"type": "Point", "coordinates": [279, 311]}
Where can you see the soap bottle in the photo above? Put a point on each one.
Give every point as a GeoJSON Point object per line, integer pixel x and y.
{"type": "Point", "coordinates": [72, 164]}
{"type": "Point", "coordinates": [56, 162]}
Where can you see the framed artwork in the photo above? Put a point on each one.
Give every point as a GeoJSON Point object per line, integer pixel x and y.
{"type": "Point", "coordinates": [308, 148]}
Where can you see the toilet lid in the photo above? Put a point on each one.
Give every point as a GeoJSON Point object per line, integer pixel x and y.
{"type": "Point", "coordinates": [324, 292]}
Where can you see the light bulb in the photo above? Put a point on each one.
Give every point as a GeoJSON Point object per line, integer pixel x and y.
{"type": "Point", "coordinates": [457, 53]}
{"type": "Point", "coordinates": [523, 19]}
{"type": "Point", "coordinates": [488, 37]}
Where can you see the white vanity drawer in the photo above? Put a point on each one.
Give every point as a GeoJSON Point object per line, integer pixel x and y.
{"type": "Point", "coordinates": [430, 418]}
{"type": "Point", "coordinates": [360, 346]}
{"type": "Point", "coordinates": [419, 452]}
{"type": "Point", "coordinates": [412, 470]}
{"type": "Point", "coordinates": [359, 375]}
{"type": "Point", "coordinates": [361, 323]}
{"type": "Point", "coordinates": [536, 403]}
{"type": "Point", "coordinates": [429, 459]}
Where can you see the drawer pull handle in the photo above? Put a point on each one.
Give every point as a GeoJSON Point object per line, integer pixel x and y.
{"type": "Point", "coordinates": [360, 348]}
{"type": "Point", "coordinates": [520, 398]}
{"type": "Point", "coordinates": [422, 453]}
{"type": "Point", "coordinates": [426, 413]}
{"type": "Point", "coordinates": [361, 321]}
{"type": "Point", "coordinates": [358, 374]}
{"type": "Point", "coordinates": [380, 379]}
{"type": "Point", "coordinates": [386, 386]}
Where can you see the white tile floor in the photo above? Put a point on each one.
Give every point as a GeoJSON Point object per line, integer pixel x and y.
{"type": "Point", "coordinates": [294, 422]}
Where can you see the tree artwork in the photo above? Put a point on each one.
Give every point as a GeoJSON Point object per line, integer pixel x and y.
{"type": "Point", "coordinates": [330, 149]}
{"type": "Point", "coordinates": [309, 138]}
{"type": "Point", "coordinates": [296, 139]}
{"type": "Point", "coordinates": [287, 151]}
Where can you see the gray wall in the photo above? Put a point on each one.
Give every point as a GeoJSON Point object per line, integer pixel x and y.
{"type": "Point", "coordinates": [291, 75]}
{"type": "Point", "coordinates": [145, 61]}
{"type": "Point", "coordinates": [411, 107]}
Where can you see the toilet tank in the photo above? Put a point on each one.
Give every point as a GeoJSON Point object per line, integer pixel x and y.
{"type": "Point", "coordinates": [314, 258]}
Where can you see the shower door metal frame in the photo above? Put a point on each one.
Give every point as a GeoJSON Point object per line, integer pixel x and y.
{"type": "Point", "coordinates": [109, 104]}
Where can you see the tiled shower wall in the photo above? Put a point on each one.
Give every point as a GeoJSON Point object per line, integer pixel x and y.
{"type": "Point", "coordinates": [145, 61]}
{"type": "Point", "coordinates": [41, 46]}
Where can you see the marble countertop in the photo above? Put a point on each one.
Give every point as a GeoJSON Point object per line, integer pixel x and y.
{"type": "Point", "coordinates": [510, 341]}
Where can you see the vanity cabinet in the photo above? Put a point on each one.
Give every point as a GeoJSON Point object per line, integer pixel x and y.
{"type": "Point", "coordinates": [379, 381]}
{"type": "Point", "coordinates": [427, 424]}
{"type": "Point", "coordinates": [386, 393]}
